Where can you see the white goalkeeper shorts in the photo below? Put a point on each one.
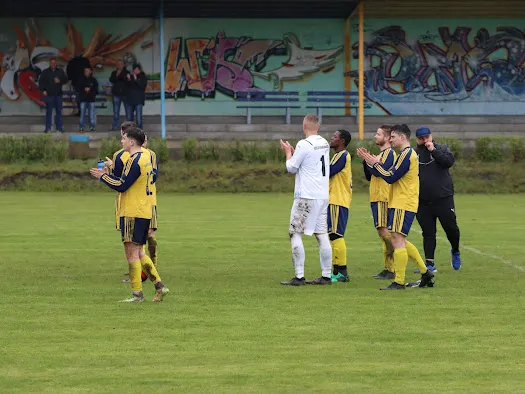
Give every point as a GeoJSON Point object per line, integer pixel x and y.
{"type": "Point", "coordinates": [309, 217]}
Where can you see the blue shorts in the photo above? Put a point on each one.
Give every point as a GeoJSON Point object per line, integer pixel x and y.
{"type": "Point", "coordinates": [380, 213]}
{"type": "Point", "coordinates": [337, 219]}
{"type": "Point", "coordinates": [400, 221]}
{"type": "Point", "coordinates": [134, 230]}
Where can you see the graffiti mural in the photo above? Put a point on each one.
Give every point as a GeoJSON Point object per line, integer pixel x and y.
{"type": "Point", "coordinates": [25, 58]}
{"type": "Point", "coordinates": [450, 71]}
{"type": "Point", "coordinates": [200, 67]}
{"type": "Point", "coordinates": [200, 64]}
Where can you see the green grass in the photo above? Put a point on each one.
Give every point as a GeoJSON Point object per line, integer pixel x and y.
{"type": "Point", "coordinates": [229, 326]}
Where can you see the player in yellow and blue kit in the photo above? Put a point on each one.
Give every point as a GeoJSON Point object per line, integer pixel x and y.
{"type": "Point", "coordinates": [402, 204]}
{"type": "Point", "coordinates": [116, 167]}
{"type": "Point", "coordinates": [135, 212]}
{"type": "Point", "coordinates": [340, 190]}
{"type": "Point", "coordinates": [379, 195]}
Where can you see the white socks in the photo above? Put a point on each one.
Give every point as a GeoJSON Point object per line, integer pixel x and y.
{"type": "Point", "coordinates": [325, 253]}
{"type": "Point", "coordinates": [298, 255]}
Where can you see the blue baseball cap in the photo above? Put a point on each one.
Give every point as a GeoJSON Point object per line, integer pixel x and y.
{"type": "Point", "coordinates": [422, 131]}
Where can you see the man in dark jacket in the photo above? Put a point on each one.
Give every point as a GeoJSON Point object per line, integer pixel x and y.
{"type": "Point", "coordinates": [75, 71]}
{"type": "Point", "coordinates": [50, 84]}
{"type": "Point", "coordinates": [135, 94]}
{"type": "Point", "coordinates": [119, 80]}
{"type": "Point", "coordinates": [87, 87]}
{"type": "Point", "coordinates": [436, 196]}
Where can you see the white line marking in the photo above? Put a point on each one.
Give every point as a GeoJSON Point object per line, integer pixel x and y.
{"type": "Point", "coordinates": [479, 252]}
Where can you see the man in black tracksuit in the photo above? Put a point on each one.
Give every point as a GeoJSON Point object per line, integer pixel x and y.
{"type": "Point", "coordinates": [436, 196]}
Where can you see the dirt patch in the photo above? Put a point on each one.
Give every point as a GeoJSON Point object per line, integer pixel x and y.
{"type": "Point", "coordinates": [21, 176]}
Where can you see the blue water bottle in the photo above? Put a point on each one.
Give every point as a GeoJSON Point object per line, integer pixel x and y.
{"type": "Point", "coordinates": [100, 164]}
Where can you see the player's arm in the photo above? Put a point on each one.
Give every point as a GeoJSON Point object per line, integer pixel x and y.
{"type": "Point", "coordinates": [397, 171]}
{"type": "Point", "coordinates": [293, 164]}
{"type": "Point", "coordinates": [118, 165]}
{"type": "Point", "coordinates": [339, 165]}
{"type": "Point", "coordinates": [386, 164]}
{"type": "Point", "coordinates": [131, 174]}
{"type": "Point", "coordinates": [367, 171]}
{"type": "Point", "coordinates": [154, 165]}
{"type": "Point", "coordinates": [443, 156]}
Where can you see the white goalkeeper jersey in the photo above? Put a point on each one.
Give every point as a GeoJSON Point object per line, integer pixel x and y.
{"type": "Point", "coordinates": [311, 165]}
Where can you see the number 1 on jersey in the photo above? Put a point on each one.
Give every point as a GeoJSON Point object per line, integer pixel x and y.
{"type": "Point", "coordinates": [323, 169]}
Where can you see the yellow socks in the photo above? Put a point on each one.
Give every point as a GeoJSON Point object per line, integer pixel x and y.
{"type": "Point", "coordinates": [400, 264]}
{"type": "Point", "coordinates": [134, 276]}
{"type": "Point", "coordinates": [388, 259]}
{"type": "Point", "coordinates": [338, 251]}
{"type": "Point", "coordinates": [152, 249]}
{"type": "Point", "coordinates": [413, 253]}
{"type": "Point", "coordinates": [149, 269]}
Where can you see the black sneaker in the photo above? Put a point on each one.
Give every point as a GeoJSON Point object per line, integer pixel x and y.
{"type": "Point", "coordinates": [381, 275]}
{"type": "Point", "coordinates": [320, 281]}
{"type": "Point", "coordinates": [394, 286]}
{"type": "Point", "coordinates": [294, 282]}
{"type": "Point", "coordinates": [81, 129]}
{"type": "Point", "coordinates": [92, 129]}
{"type": "Point", "coordinates": [427, 279]}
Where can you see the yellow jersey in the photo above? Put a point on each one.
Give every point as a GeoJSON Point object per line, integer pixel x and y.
{"type": "Point", "coordinates": [134, 198]}
{"type": "Point", "coordinates": [121, 157]}
{"type": "Point", "coordinates": [379, 188]}
{"type": "Point", "coordinates": [340, 186]}
{"type": "Point", "coordinates": [404, 178]}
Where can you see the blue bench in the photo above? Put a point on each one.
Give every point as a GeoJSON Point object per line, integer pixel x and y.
{"type": "Point", "coordinates": [334, 100]}
{"type": "Point", "coordinates": [69, 96]}
{"type": "Point", "coordinates": [254, 99]}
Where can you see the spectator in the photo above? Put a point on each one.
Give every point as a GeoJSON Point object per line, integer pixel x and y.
{"type": "Point", "coordinates": [87, 88]}
{"type": "Point", "coordinates": [75, 72]}
{"type": "Point", "coordinates": [135, 95]}
{"type": "Point", "coordinates": [50, 84]}
{"type": "Point", "coordinates": [119, 80]}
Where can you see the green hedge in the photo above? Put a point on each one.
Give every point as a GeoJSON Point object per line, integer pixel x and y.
{"type": "Point", "coordinates": [33, 149]}
{"type": "Point", "coordinates": [43, 148]}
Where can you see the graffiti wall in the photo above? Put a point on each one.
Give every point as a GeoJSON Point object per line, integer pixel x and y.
{"type": "Point", "coordinates": [437, 67]}
{"type": "Point", "coordinates": [423, 67]}
{"type": "Point", "coordinates": [208, 62]}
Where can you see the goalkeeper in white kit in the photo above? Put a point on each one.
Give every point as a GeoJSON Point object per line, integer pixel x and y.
{"type": "Point", "coordinates": [310, 162]}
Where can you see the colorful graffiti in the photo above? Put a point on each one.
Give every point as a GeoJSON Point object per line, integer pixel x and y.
{"type": "Point", "coordinates": [205, 62]}
{"type": "Point", "coordinates": [199, 67]}
{"type": "Point", "coordinates": [22, 65]}
{"type": "Point", "coordinates": [450, 66]}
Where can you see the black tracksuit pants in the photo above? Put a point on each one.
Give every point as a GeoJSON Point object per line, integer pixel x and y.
{"type": "Point", "coordinates": [444, 210]}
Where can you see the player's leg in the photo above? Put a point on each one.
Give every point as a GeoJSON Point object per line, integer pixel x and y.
{"type": "Point", "coordinates": [298, 215]}
{"type": "Point", "coordinates": [337, 222]}
{"type": "Point", "coordinates": [380, 216]}
{"type": "Point", "coordinates": [427, 221]}
{"type": "Point", "coordinates": [317, 223]}
{"type": "Point", "coordinates": [140, 237]}
{"type": "Point", "coordinates": [152, 240]}
{"type": "Point", "coordinates": [399, 223]}
{"type": "Point", "coordinates": [446, 213]}
{"type": "Point", "coordinates": [127, 226]}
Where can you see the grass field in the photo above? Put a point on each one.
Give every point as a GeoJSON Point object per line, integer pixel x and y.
{"type": "Point", "coordinates": [229, 326]}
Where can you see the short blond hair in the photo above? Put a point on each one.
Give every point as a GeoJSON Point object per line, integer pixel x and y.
{"type": "Point", "coordinates": [312, 120]}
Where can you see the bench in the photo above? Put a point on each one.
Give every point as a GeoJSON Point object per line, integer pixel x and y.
{"type": "Point", "coordinates": [339, 100]}
{"type": "Point", "coordinates": [69, 96]}
{"type": "Point", "coordinates": [286, 98]}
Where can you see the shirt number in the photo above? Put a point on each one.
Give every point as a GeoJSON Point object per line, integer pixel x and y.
{"type": "Point", "coordinates": [323, 169]}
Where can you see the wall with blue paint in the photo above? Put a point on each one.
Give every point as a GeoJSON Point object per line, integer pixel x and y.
{"type": "Point", "coordinates": [443, 67]}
